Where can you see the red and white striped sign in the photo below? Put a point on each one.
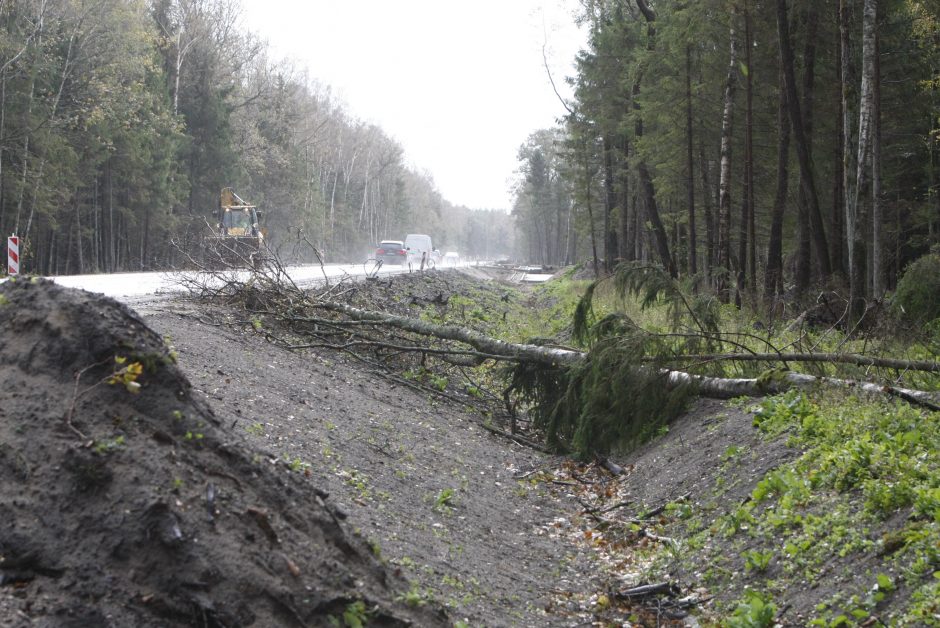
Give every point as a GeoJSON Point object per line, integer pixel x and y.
{"type": "Point", "coordinates": [13, 255]}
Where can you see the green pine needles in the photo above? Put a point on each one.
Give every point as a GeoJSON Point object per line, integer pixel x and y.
{"type": "Point", "coordinates": [611, 401]}
{"type": "Point", "coordinates": [619, 396]}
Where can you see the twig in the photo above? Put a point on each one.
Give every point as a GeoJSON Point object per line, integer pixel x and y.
{"type": "Point", "coordinates": [659, 509]}
{"type": "Point", "coordinates": [646, 590]}
{"type": "Point", "coordinates": [515, 437]}
{"type": "Point", "coordinates": [661, 539]}
{"type": "Point", "coordinates": [76, 395]}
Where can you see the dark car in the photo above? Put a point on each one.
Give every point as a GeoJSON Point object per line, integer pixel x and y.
{"type": "Point", "coordinates": [392, 252]}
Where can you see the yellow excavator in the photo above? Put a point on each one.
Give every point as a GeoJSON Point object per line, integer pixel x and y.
{"type": "Point", "coordinates": [238, 239]}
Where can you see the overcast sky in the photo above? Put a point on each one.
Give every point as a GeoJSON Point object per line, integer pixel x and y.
{"type": "Point", "coordinates": [460, 85]}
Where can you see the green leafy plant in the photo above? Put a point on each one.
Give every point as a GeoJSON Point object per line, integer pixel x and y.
{"type": "Point", "coordinates": [413, 597]}
{"type": "Point", "coordinates": [109, 446]}
{"type": "Point", "coordinates": [127, 375]}
{"type": "Point", "coordinates": [444, 502]}
{"type": "Point", "coordinates": [756, 560]}
{"type": "Point", "coordinates": [297, 465]}
{"type": "Point", "coordinates": [355, 615]}
{"type": "Point", "coordinates": [754, 611]}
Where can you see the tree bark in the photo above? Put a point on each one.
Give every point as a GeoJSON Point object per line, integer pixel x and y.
{"type": "Point", "coordinates": [773, 274]}
{"type": "Point", "coordinates": [746, 250]}
{"type": "Point", "coordinates": [627, 247]}
{"type": "Point", "coordinates": [877, 272]}
{"type": "Point", "coordinates": [724, 185]}
{"type": "Point", "coordinates": [730, 388]}
{"type": "Point", "coordinates": [836, 229]}
{"type": "Point", "coordinates": [588, 176]}
{"type": "Point", "coordinates": [548, 356]}
{"type": "Point", "coordinates": [690, 184]}
{"type": "Point", "coordinates": [710, 253]}
{"type": "Point", "coordinates": [804, 256]}
{"type": "Point", "coordinates": [660, 238]}
{"type": "Point", "coordinates": [924, 366]}
{"type": "Point", "coordinates": [807, 178]}
{"type": "Point", "coordinates": [610, 204]}
{"type": "Point", "coordinates": [706, 386]}
{"type": "Point", "coordinates": [855, 215]}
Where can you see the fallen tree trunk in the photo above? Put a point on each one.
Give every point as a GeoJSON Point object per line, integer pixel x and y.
{"type": "Point", "coordinates": [715, 387]}
{"type": "Point", "coordinates": [832, 358]}
{"type": "Point", "coordinates": [727, 388]}
{"type": "Point", "coordinates": [722, 388]}
{"type": "Point", "coordinates": [549, 356]}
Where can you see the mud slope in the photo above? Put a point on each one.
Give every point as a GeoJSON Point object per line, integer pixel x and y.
{"type": "Point", "coordinates": [136, 507]}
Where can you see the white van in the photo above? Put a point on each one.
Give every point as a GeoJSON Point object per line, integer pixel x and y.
{"type": "Point", "coordinates": [417, 244]}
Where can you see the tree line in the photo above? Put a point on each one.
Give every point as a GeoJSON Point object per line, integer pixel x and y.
{"type": "Point", "coordinates": [767, 146]}
{"type": "Point", "coordinates": [121, 120]}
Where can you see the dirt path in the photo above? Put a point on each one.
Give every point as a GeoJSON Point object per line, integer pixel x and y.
{"type": "Point", "coordinates": [441, 499]}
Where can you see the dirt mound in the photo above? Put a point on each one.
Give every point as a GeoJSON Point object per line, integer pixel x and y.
{"type": "Point", "coordinates": [125, 502]}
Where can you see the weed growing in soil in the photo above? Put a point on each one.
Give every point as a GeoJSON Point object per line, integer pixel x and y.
{"type": "Point", "coordinates": [356, 615]}
{"type": "Point", "coordinates": [754, 611]}
{"type": "Point", "coordinates": [109, 446]}
{"type": "Point", "coordinates": [414, 596]}
{"type": "Point", "coordinates": [297, 465]}
{"type": "Point", "coordinates": [445, 500]}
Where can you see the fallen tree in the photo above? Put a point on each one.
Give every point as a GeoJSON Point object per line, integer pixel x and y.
{"type": "Point", "coordinates": [493, 348]}
{"type": "Point", "coordinates": [773, 381]}
{"type": "Point", "coordinates": [619, 393]}
{"type": "Point", "coordinates": [856, 359]}
{"type": "Point", "coordinates": [781, 381]}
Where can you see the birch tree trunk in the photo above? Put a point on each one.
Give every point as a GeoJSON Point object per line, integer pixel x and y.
{"type": "Point", "coordinates": [724, 184]}
{"type": "Point", "coordinates": [854, 215]}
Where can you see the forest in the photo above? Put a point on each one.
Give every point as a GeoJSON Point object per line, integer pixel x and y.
{"type": "Point", "coordinates": [121, 120]}
{"type": "Point", "coordinates": [722, 411]}
{"type": "Point", "coordinates": [765, 148]}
